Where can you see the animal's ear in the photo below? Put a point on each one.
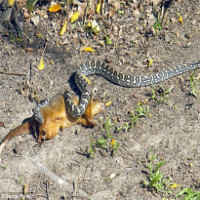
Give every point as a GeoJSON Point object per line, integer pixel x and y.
{"type": "Point", "coordinates": [97, 107]}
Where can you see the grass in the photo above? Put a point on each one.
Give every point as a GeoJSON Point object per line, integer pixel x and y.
{"type": "Point", "coordinates": [194, 84]}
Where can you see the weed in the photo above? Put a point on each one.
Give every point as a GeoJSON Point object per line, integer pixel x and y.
{"type": "Point", "coordinates": [189, 194]}
{"type": "Point", "coordinates": [108, 124]}
{"type": "Point", "coordinates": [157, 25]}
{"type": "Point", "coordinates": [106, 142]}
{"type": "Point", "coordinates": [159, 95]}
{"type": "Point", "coordinates": [91, 149]}
{"type": "Point", "coordinates": [139, 112]}
{"type": "Point", "coordinates": [155, 178]}
{"type": "Point", "coordinates": [161, 16]}
{"type": "Point", "coordinates": [194, 84]}
{"type": "Point", "coordinates": [102, 143]}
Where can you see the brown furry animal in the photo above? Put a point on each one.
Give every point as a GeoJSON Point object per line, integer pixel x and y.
{"type": "Point", "coordinates": [56, 117]}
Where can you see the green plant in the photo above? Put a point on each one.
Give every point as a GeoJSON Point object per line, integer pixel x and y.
{"type": "Point", "coordinates": [106, 142]}
{"type": "Point", "coordinates": [159, 95]}
{"type": "Point", "coordinates": [91, 149]}
{"type": "Point", "coordinates": [155, 178]}
{"type": "Point", "coordinates": [161, 16]}
{"type": "Point", "coordinates": [139, 112]}
{"type": "Point", "coordinates": [194, 84]}
{"type": "Point", "coordinates": [189, 194]}
{"type": "Point", "coordinates": [102, 143]}
{"type": "Point", "coordinates": [114, 146]}
{"type": "Point", "coordinates": [107, 126]}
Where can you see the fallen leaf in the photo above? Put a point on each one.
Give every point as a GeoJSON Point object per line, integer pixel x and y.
{"type": "Point", "coordinates": [112, 143]}
{"type": "Point", "coordinates": [25, 189]}
{"type": "Point", "coordinates": [29, 49]}
{"type": "Point", "coordinates": [41, 64]}
{"type": "Point", "coordinates": [35, 19]}
{"type": "Point", "coordinates": [55, 8]}
{"type": "Point", "coordinates": [2, 124]}
{"type": "Point", "coordinates": [175, 185]}
{"type": "Point", "coordinates": [108, 40]}
{"type": "Point", "coordinates": [88, 25]}
{"type": "Point", "coordinates": [81, 9]}
{"type": "Point", "coordinates": [98, 8]}
{"type": "Point", "coordinates": [30, 4]}
{"type": "Point", "coordinates": [70, 14]}
{"type": "Point", "coordinates": [95, 27]}
{"type": "Point", "coordinates": [111, 13]}
{"type": "Point", "coordinates": [150, 62]}
{"type": "Point", "coordinates": [146, 100]}
{"type": "Point", "coordinates": [11, 2]}
{"type": "Point", "coordinates": [115, 4]}
{"type": "Point", "coordinates": [180, 18]}
{"type": "Point", "coordinates": [64, 28]}
{"type": "Point", "coordinates": [108, 103]}
{"type": "Point", "coordinates": [74, 17]}
{"type": "Point", "coordinates": [112, 176]}
{"type": "Point", "coordinates": [88, 49]}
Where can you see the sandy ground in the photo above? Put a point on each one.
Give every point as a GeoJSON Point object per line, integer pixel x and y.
{"type": "Point", "coordinates": [57, 170]}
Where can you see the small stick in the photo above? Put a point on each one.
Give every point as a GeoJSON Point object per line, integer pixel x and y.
{"type": "Point", "coordinates": [12, 73]}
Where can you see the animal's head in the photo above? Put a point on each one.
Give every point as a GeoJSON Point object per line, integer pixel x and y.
{"type": "Point", "coordinates": [52, 124]}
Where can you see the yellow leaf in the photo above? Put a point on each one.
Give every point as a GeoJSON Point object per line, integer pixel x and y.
{"type": "Point", "coordinates": [64, 28]}
{"type": "Point", "coordinates": [88, 49]}
{"type": "Point", "coordinates": [88, 25]}
{"type": "Point", "coordinates": [74, 16]}
{"type": "Point", "coordinates": [150, 62]}
{"type": "Point", "coordinates": [55, 8]}
{"type": "Point", "coordinates": [180, 18]}
{"type": "Point", "coordinates": [98, 7]}
{"type": "Point", "coordinates": [11, 2]}
{"type": "Point", "coordinates": [108, 103]}
{"type": "Point", "coordinates": [112, 143]}
{"type": "Point", "coordinates": [175, 185]}
{"type": "Point", "coordinates": [41, 64]}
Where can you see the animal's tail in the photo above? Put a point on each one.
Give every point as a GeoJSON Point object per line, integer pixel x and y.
{"type": "Point", "coordinates": [25, 128]}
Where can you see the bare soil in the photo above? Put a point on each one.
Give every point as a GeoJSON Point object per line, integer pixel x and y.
{"type": "Point", "coordinates": [57, 170]}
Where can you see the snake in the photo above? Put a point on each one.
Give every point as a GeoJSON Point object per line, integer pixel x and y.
{"type": "Point", "coordinates": [105, 70]}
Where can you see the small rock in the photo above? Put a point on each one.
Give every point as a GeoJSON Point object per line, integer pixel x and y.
{"type": "Point", "coordinates": [188, 35]}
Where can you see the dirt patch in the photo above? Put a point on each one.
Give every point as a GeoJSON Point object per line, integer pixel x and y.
{"type": "Point", "coordinates": [171, 131]}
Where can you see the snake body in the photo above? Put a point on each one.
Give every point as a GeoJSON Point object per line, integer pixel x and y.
{"type": "Point", "coordinates": [118, 78]}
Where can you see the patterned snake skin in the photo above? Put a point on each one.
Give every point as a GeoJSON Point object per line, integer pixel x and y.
{"type": "Point", "coordinates": [104, 70]}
